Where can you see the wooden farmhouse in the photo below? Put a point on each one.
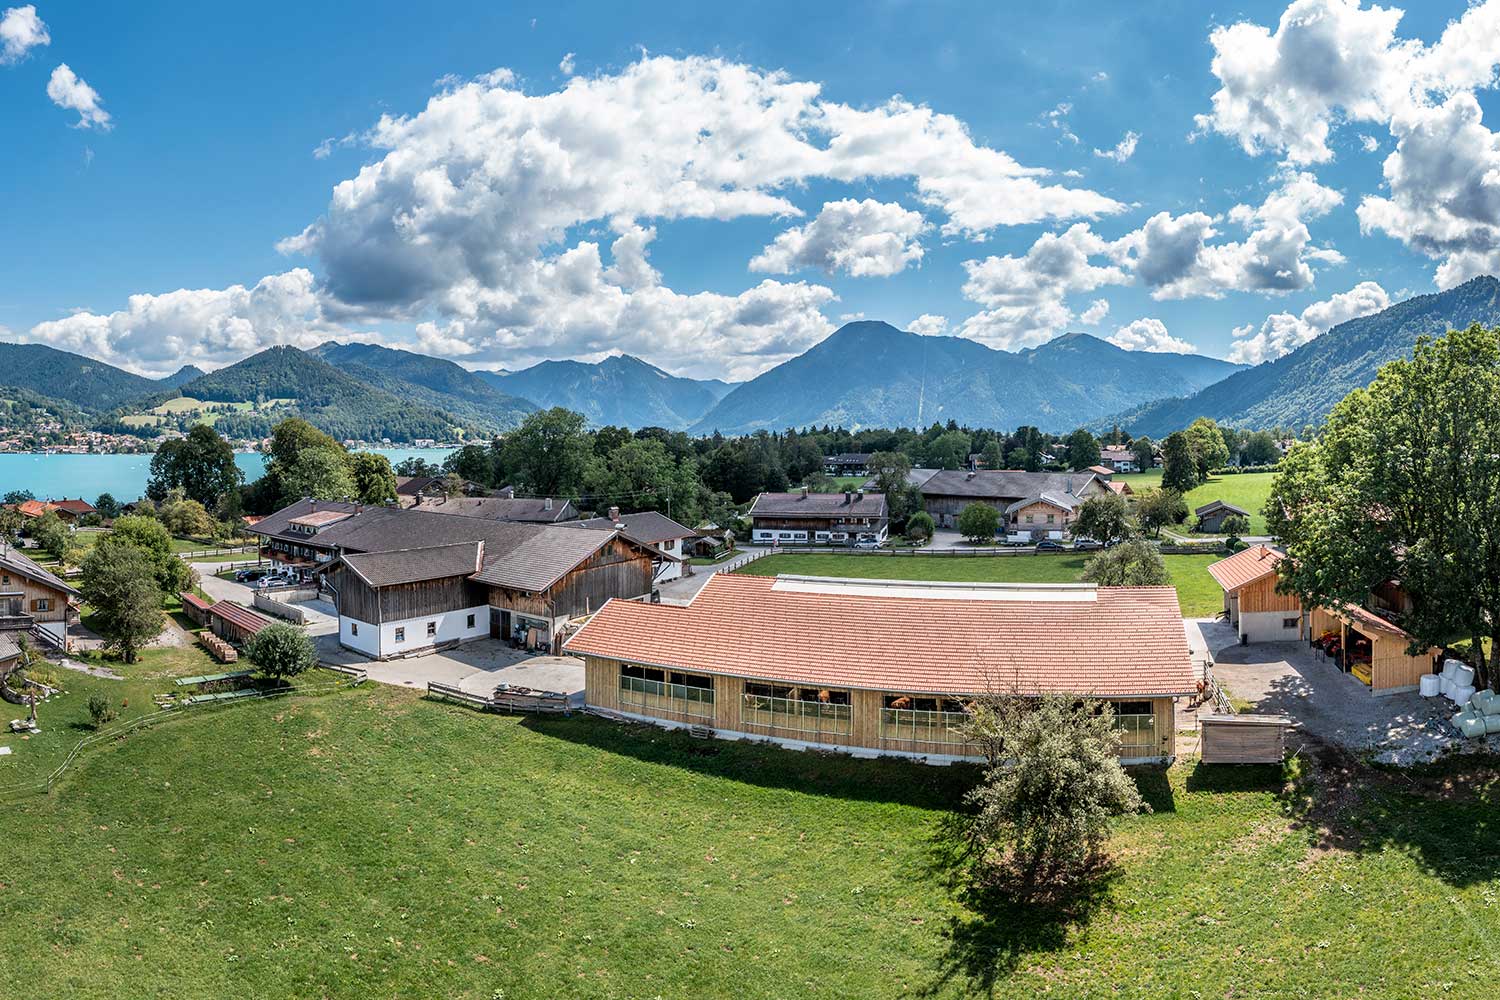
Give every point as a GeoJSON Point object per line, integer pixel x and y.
{"type": "Point", "coordinates": [886, 666]}
{"type": "Point", "coordinates": [946, 494]}
{"type": "Point", "coordinates": [406, 580]}
{"type": "Point", "coordinates": [33, 599]}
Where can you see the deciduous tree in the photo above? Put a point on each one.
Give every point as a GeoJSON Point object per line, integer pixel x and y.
{"type": "Point", "coordinates": [280, 651]}
{"type": "Point", "coordinates": [1102, 518]}
{"type": "Point", "coordinates": [1083, 449]}
{"type": "Point", "coordinates": [1131, 564]}
{"type": "Point", "coordinates": [1155, 509]}
{"type": "Point", "coordinates": [550, 453]}
{"type": "Point", "coordinates": [200, 464]}
{"type": "Point", "coordinates": [120, 583]}
{"type": "Point", "coordinates": [1044, 811]}
{"type": "Point", "coordinates": [1179, 466]}
{"type": "Point", "coordinates": [978, 522]}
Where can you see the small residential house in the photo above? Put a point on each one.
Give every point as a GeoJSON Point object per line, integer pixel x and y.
{"type": "Point", "coordinates": [945, 494]}
{"type": "Point", "coordinates": [849, 463]}
{"type": "Point", "coordinates": [1046, 515]}
{"type": "Point", "coordinates": [651, 528]}
{"type": "Point", "coordinates": [877, 667]}
{"type": "Point", "coordinates": [30, 596]}
{"type": "Point", "coordinates": [806, 518]}
{"type": "Point", "coordinates": [1212, 515]}
{"type": "Point", "coordinates": [1118, 458]}
{"type": "Point", "coordinates": [72, 510]}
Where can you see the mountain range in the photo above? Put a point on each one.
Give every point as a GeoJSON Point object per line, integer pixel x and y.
{"type": "Point", "coordinates": [620, 390]}
{"type": "Point", "coordinates": [865, 374]}
{"type": "Point", "coordinates": [870, 374]}
{"type": "Point", "coordinates": [1301, 387]}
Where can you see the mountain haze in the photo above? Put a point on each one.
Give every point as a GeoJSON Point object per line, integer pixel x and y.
{"type": "Point", "coordinates": [1303, 386]}
{"type": "Point", "coordinates": [870, 374]}
{"type": "Point", "coordinates": [621, 390]}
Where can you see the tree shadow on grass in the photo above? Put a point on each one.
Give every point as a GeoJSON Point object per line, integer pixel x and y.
{"type": "Point", "coordinates": [1445, 814]}
{"type": "Point", "coordinates": [997, 930]}
{"type": "Point", "coordinates": [1155, 788]}
{"type": "Point", "coordinates": [888, 779]}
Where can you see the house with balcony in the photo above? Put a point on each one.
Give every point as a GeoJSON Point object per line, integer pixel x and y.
{"type": "Point", "coordinates": [806, 518]}
{"type": "Point", "coordinates": [35, 600]}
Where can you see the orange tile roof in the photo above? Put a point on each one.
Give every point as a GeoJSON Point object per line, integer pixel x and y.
{"type": "Point", "coordinates": [1121, 488]}
{"type": "Point", "coordinates": [33, 508]}
{"type": "Point", "coordinates": [1245, 566]}
{"type": "Point", "coordinates": [917, 637]}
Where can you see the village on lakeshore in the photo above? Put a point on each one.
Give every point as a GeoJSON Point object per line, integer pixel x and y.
{"type": "Point", "coordinates": [948, 501]}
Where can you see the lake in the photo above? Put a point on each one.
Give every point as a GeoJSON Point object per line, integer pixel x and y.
{"type": "Point", "coordinates": [124, 476]}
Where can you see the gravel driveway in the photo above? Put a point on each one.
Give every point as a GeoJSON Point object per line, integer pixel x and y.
{"type": "Point", "coordinates": [1288, 678]}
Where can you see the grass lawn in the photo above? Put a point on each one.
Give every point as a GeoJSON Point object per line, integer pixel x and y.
{"type": "Point", "coordinates": [1197, 593]}
{"type": "Point", "coordinates": [1247, 491]}
{"type": "Point", "coordinates": [375, 844]}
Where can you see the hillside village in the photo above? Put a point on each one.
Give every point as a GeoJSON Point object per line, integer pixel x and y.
{"type": "Point", "coordinates": [890, 501]}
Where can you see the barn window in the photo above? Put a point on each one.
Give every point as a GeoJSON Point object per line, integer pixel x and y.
{"type": "Point", "coordinates": [400, 635]}
{"type": "Point", "coordinates": [431, 629]}
{"type": "Point", "coordinates": [469, 622]}
{"type": "Point", "coordinates": [911, 718]}
{"type": "Point", "coordinates": [1136, 722]}
{"type": "Point", "coordinates": [814, 711]}
{"type": "Point", "coordinates": [41, 604]}
{"type": "Point", "coordinates": [1289, 622]}
{"type": "Point", "coordinates": [658, 691]}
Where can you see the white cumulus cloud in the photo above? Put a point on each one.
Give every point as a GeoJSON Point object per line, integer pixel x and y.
{"type": "Point", "coordinates": [1334, 61]}
{"type": "Point", "coordinates": [1281, 333]}
{"type": "Point", "coordinates": [1149, 335]}
{"type": "Point", "coordinates": [71, 93]}
{"type": "Point", "coordinates": [1095, 313]}
{"type": "Point", "coordinates": [567, 63]}
{"type": "Point", "coordinates": [928, 325]}
{"type": "Point", "coordinates": [861, 238]}
{"type": "Point", "coordinates": [20, 32]}
{"type": "Point", "coordinates": [1122, 150]}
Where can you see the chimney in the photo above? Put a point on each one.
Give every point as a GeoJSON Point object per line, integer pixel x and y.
{"type": "Point", "coordinates": [860, 492]}
{"type": "Point", "coordinates": [803, 496]}
{"type": "Point", "coordinates": [969, 475]}
{"type": "Point", "coordinates": [614, 516]}
{"type": "Point", "coordinates": [848, 497]}
{"type": "Point", "coordinates": [312, 503]}
{"type": "Point", "coordinates": [547, 504]}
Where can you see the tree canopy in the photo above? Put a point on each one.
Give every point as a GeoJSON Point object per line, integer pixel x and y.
{"type": "Point", "coordinates": [120, 583]}
{"type": "Point", "coordinates": [1405, 484]}
{"type": "Point", "coordinates": [1131, 564]}
{"type": "Point", "coordinates": [1083, 449]}
{"type": "Point", "coordinates": [978, 522]}
{"type": "Point", "coordinates": [200, 464]}
{"type": "Point", "coordinates": [1102, 518]}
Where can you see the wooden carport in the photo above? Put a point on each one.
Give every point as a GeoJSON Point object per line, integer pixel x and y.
{"type": "Point", "coordinates": [1392, 669]}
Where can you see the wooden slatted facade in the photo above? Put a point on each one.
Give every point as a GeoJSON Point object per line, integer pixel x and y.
{"type": "Point", "coordinates": [1392, 669]}
{"type": "Point", "coordinates": [866, 729]}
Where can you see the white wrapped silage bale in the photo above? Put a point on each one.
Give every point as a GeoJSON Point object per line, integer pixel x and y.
{"type": "Point", "coordinates": [1472, 727]}
{"type": "Point", "coordinates": [1430, 685]}
{"type": "Point", "coordinates": [1449, 666]}
{"type": "Point", "coordinates": [1445, 686]}
{"type": "Point", "coordinates": [1461, 695]}
{"type": "Point", "coordinates": [1463, 676]}
{"type": "Point", "coordinates": [1482, 700]}
{"type": "Point", "coordinates": [1492, 724]}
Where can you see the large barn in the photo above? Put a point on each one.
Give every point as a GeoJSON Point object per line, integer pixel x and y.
{"type": "Point", "coordinates": [408, 580]}
{"type": "Point", "coordinates": [886, 667]}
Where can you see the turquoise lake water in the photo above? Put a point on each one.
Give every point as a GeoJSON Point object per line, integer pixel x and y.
{"type": "Point", "coordinates": [124, 476]}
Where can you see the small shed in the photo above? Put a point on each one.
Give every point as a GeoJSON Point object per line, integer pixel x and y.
{"type": "Point", "coordinates": [234, 622]}
{"type": "Point", "coordinates": [195, 607]}
{"type": "Point", "coordinates": [1212, 515]}
{"type": "Point", "coordinates": [1243, 739]}
{"type": "Point", "coordinates": [1388, 667]}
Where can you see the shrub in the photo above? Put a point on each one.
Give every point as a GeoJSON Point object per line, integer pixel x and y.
{"type": "Point", "coordinates": [1236, 524]}
{"type": "Point", "coordinates": [1049, 795]}
{"type": "Point", "coordinates": [1131, 564]}
{"type": "Point", "coordinates": [281, 651]}
{"type": "Point", "coordinates": [100, 710]}
{"type": "Point", "coordinates": [919, 527]}
{"type": "Point", "coordinates": [978, 522]}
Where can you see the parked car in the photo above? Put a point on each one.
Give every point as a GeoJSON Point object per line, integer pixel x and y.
{"type": "Point", "coordinates": [1087, 545]}
{"type": "Point", "coordinates": [867, 543]}
{"type": "Point", "coordinates": [250, 575]}
{"type": "Point", "coordinates": [1050, 545]}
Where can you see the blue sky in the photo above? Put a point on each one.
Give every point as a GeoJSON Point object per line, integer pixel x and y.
{"type": "Point", "coordinates": [715, 189]}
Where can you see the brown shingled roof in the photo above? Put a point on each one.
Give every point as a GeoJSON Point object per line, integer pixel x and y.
{"type": "Point", "coordinates": [920, 637]}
